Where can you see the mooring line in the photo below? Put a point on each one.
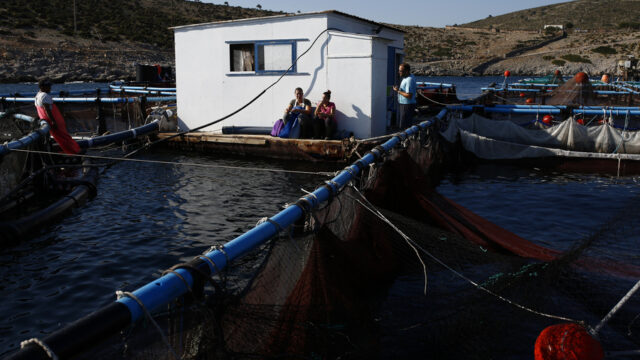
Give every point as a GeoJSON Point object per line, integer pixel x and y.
{"type": "Point", "coordinates": [182, 163]}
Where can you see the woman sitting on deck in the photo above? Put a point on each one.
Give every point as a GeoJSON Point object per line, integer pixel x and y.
{"type": "Point", "coordinates": [300, 108]}
{"type": "Point", "coordinates": [324, 122]}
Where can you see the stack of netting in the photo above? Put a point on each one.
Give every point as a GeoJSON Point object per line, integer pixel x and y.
{"type": "Point", "coordinates": [391, 269]}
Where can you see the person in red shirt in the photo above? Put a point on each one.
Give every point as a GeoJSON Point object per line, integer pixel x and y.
{"type": "Point", "coordinates": [48, 111]}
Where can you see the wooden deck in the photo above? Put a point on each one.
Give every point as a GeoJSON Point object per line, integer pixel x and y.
{"type": "Point", "coordinates": [271, 147]}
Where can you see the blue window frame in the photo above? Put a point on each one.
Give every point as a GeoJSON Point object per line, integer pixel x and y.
{"type": "Point", "coordinates": [263, 57]}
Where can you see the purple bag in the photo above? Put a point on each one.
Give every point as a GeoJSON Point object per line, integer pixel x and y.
{"type": "Point", "coordinates": [277, 127]}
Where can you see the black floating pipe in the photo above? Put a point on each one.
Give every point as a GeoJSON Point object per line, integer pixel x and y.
{"type": "Point", "coordinates": [80, 335]}
{"type": "Point", "coordinates": [12, 231]}
{"type": "Point", "coordinates": [97, 327]}
{"type": "Point", "coordinates": [119, 136]}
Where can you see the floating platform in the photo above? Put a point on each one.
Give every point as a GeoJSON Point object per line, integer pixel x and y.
{"type": "Point", "coordinates": [271, 147]}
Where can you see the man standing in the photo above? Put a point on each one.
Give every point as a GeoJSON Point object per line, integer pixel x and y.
{"type": "Point", "coordinates": [48, 111]}
{"type": "Point", "coordinates": [406, 96]}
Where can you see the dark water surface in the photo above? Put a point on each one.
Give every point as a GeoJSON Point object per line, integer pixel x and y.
{"type": "Point", "coordinates": [148, 217]}
{"type": "Point", "coordinates": [145, 218]}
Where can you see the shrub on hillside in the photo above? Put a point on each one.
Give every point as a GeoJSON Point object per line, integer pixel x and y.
{"type": "Point", "coordinates": [558, 62]}
{"type": "Point", "coordinates": [605, 50]}
{"type": "Point", "coordinates": [548, 57]}
{"type": "Point", "coordinates": [629, 25]}
{"type": "Point", "coordinates": [442, 52]}
{"type": "Point", "coordinates": [576, 58]}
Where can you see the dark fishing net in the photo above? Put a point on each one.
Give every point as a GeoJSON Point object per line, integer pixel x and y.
{"type": "Point", "coordinates": [12, 166]}
{"type": "Point", "coordinates": [391, 269]}
{"type": "Point", "coordinates": [573, 93]}
{"type": "Point", "coordinates": [93, 118]}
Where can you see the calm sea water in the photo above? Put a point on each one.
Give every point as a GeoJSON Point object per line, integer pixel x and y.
{"type": "Point", "coordinates": [148, 217]}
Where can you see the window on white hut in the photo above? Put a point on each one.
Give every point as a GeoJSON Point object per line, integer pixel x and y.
{"type": "Point", "coordinates": [242, 57]}
{"type": "Point", "coordinates": [263, 56]}
{"type": "Point", "coordinates": [275, 57]}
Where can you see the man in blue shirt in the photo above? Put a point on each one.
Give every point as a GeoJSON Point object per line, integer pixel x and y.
{"type": "Point", "coordinates": [406, 96]}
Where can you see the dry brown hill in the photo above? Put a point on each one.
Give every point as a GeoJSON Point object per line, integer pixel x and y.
{"type": "Point", "coordinates": [39, 38]}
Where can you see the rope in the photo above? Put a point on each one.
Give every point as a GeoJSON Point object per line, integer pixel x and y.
{"type": "Point", "coordinates": [476, 285]}
{"type": "Point", "coordinates": [182, 163]}
{"type": "Point", "coordinates": [405, 237]}
{"type": "Point", "coordinates": [172, 271]}
{"type": "Point", "coordinates": [121, 294]}
{"type": "Point", "coordinates": [617, 307]}
{"type": "Point", "coordinates": [436, 102]}
{"type": "Point", "coordinates": [40, 343]}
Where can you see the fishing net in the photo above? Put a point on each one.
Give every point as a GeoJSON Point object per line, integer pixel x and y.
{"type": "Point", "coordinates": [93, 117]}
{"type": "Point", "coordinates": [391, 269]}
{"type": "Point", "coordinates": [515, 138]}
{"type": "Point", "coordinates": [11, 165]}
{"type": "Point", "coordinates": [573, 93]}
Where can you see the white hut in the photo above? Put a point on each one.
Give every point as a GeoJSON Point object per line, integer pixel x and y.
{"type": "Point", "coordinates": [222, 66]}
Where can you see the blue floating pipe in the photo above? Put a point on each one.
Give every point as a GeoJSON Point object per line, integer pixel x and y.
{"type": "Point", "coordinates": [611, 92]}
{"type": "Point", "coordinates": [128, 87]}
{"type": "Point", "coordinates": [25, 140]}
{"type": "Point", "coordinates": [535, 85]}
{"type": "Point", "coordinates": [94, 99]}
{"type": "Point", "coordinates": [154, 92]}
{"type": "Point", "coordinates": [522, 111]}
{"type": "Point", "coordinates": [119, 136]}
{"type": "Point", "coordinates": [432, 84]}
{"type": "Point", "coordinates": [608, 111]}
{"type": "Point", "coordinates": [169, 287]}
{"type": "Point", "coordinates": [610, 108]}
{"type": "Point", "coordinates": [53, 93]}
{"type": "Point", "coordinates": [507, 110]}
{"type": "Point", "coordinates": [516, 106]}
{"type": "Point", "coordinates": [632, 91]}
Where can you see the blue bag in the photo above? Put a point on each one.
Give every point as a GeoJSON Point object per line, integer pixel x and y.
{"type": "Point", "coordinates": [295, 129]}
{"type": "Point", "coordinates": [286, 129]}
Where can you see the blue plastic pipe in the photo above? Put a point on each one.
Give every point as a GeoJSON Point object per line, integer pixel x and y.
{"type": "Point", "coordinates": [507, 110]}
{"type": "Point", "coordinates": [93, 99]}
{"type": "Point", "coordinates": [127, 87]}
{"type": "Point", "coordinates": [608, 111]}
{"type": "Point", "coordinates": [169, 287]}
{"type": "Point", "coordinates": [154, 92]}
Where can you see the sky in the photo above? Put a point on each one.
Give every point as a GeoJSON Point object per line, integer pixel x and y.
{"type": "Point", "coordinates": [433, 13]}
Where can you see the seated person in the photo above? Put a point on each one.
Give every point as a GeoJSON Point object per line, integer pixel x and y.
{"type": "Point", "coordinates": [301, 108]}
{"type": "Point", "coordinates": [325, 118]}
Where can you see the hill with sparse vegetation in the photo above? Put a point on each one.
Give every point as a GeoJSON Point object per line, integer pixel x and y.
{"type": "Point", "coordinates": [580, 14]}
{"type": "Point", "coordinates": [40, 38]}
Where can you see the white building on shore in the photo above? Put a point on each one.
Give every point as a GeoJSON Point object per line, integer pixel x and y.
{"type": "Point", "coordinates": [222, 66]}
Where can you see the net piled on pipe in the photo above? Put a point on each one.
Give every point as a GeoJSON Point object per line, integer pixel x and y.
{"type": "Point", "coordinates": [12, 166]}
{"type": "Point", "coordinates": [82, 118]}
{"type": "Point", "coordinates": [346, 284]}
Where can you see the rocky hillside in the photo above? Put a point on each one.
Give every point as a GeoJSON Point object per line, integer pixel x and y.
{"type": "Point", "coordinates": [477, 51]}
{"type": "Point", "coordinates": [40, 38]}
{"type": "Point", "coordinates": [580, 14]}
